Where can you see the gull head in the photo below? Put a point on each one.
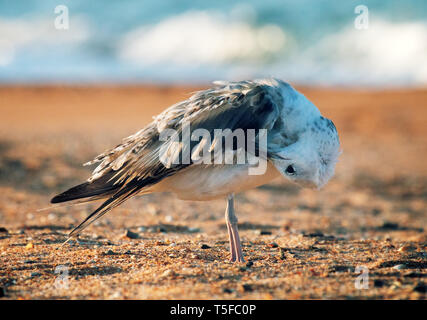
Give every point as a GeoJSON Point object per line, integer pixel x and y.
{"type": "Point", "coordinates": [309, 162]}
{"type": "Point", "coordinates": [313, 149]}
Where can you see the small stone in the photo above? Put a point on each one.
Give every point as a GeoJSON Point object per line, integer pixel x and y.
{"type": "Point", "coordinates": [116, 295]}
{"type": "Point", "coordinates": [204, 246]}
{"type": "Point", "coordinates": [142, 229]}
{"type": "Point", "coordinates": [30, 261]}
{"type": "Point", "coordinates": [131, 235]}
{"type": "Point", "coordinates": [168, 273]}
{"type": "Point", "coordinates": [407, 248]}
{"type": "Point", "coordinates": [29, 245]}
{"type": "Point", "coordinates": [399, 267]}
{"type": "Point", "coordinates": [173, 244]}
{"type": "Point", "coordinates": [247, 287]}
{"type": "Point", "coordinates": [109, 253]}
{"type": "Point", "coordinates": [226, 290]}
{"type": "Point", "coordinates": [249, 264]}
{"type": "Point", "coordinates": [421, 287]}
{"type": "Point", "coordinates": [3, 230]}
{"type": "Point", "coordinates": [389, 226]}
{"type": "Point", "coordinates": [379, 283]}
{"type": "Point", "coordinates": [264, 233]}
{"type": "Point", "coordinates": [315, 234]}
{"type": "Point", "coordinates": [273, 245]}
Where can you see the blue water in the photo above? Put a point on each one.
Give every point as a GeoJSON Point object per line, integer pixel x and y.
{"type": "Point", "coordinates": [168, 41]}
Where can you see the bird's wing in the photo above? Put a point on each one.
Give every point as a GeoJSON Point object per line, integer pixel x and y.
{"type": "Point", "coordinates": [239, 105]}
{"type": "Point", "coordinates": [135, 163]}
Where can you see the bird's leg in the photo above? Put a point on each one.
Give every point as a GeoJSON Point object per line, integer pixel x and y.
{"type": "Point", "coordinates": [233, 233]}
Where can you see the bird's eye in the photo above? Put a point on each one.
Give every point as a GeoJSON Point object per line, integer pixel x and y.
{"type": "Point", "coordinates": [290, 170]}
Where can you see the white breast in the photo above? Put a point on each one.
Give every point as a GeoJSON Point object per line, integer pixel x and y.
{"type": "Point", "coordinates": [206, 182]}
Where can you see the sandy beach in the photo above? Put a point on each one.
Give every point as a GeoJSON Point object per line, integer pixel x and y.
{"type": "Point", "coordinates": [298, 243]}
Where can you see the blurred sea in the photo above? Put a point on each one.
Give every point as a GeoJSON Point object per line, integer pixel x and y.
{"type": "Point", "coordinates": [312, 42]}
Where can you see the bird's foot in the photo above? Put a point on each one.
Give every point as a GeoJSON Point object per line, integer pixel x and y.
{"type": "Point", "coordinates": [237, 259]}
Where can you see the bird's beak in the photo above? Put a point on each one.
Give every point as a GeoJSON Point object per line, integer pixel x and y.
{"type": "Point", "coordinates": [308, 184]}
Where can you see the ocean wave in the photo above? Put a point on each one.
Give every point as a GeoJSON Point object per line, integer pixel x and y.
{"type": "Point", "coordinates": [37, 35]}
{"type": "Point", "coordinates": [199, 37]}
{"type": "Point", "coordinates": [384, 53]}
{"type": "Point", "coordinates": [206, 45]}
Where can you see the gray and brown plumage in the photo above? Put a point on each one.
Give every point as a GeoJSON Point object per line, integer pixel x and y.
{"type": "Point", "coordinates": [301, 145]}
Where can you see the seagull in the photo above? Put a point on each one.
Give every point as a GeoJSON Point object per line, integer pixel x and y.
{"type": "Point", "coordinates": [299, 144]}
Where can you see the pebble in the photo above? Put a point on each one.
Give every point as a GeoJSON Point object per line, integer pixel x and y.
{"type": "Point", "coordinates": [247, 287]}
{"type": "Point", "coordinates": [3, 230]}
{"type": "Point", "coordinates": [264, 232]}
{"type": "Point", "coordinates": [110, 253]}
{"type": "Point", "coordinates": [249, 264]}
{"type": "Point", "coordinates": [389, 226]}
{"type": "Point", "coordinates": [116, 295]}
{"type": "Point", "coordinates": [168, 273]}
{"type": "Point", "coordinates": [379, 283]}
{"type": "Point", "coordinates": [30, 261]}
{"type": "Point", "coordinates": [273, 245]}
{"type": "Point", "coordinates": [205, 246]}
{"type": "Point", "coordinates": [407, 248]}
{"type": "Point", "coordinates": [29, 245]}
{"type": "Point", "coordinates": [399, 267]}
{"type": "Point", "coordinates": [421, 287]}
{"type": "Point", "coordinates": [131, 235]}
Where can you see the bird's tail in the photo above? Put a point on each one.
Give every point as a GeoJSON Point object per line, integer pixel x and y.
{"type": "Point", "coordinates": [125, 192]}
{"type": "Point", "coordinates": [100, 188]}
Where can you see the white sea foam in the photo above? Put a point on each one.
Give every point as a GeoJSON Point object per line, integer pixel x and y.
{"type": "Point", "coordinates": [36, 35]}
{"type": "Point", "coordinates": [384, 53]}
{"type": "Point", "coordinates": [199, 37]}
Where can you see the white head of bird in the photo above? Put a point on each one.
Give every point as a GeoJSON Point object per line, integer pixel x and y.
{"type": "Point", "coordinates": [310, 158]}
